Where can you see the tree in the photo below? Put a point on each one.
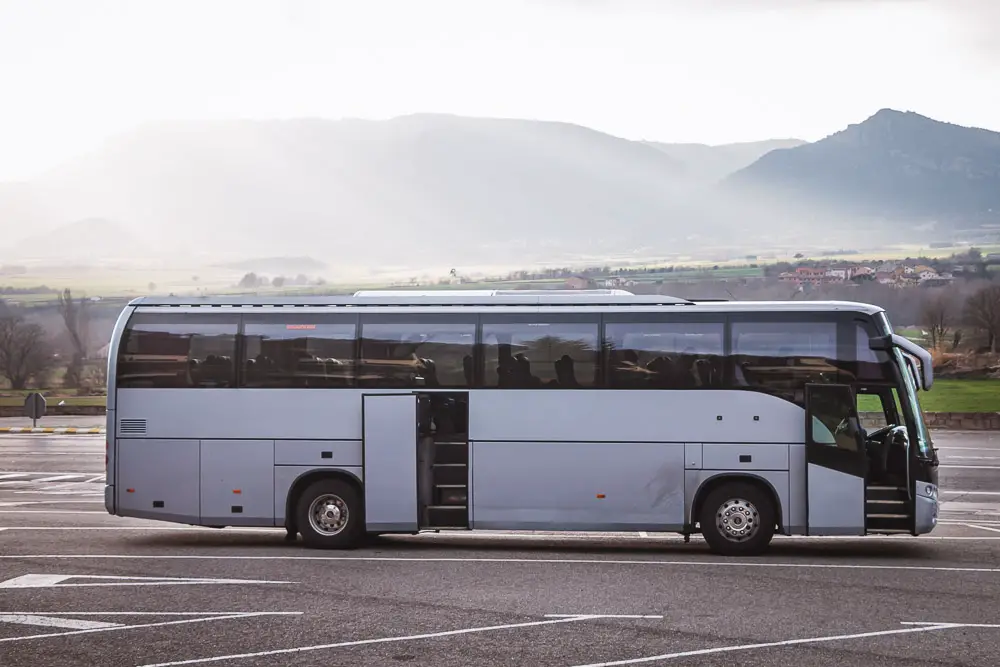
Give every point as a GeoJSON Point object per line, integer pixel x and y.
{"type": "Point", "coordinates": [936, 314]}
{"type": "Point", "coordinates": [982, 311]}
{"type": "Point", "coordinates": [25, 354]}
{"type": "Point", "coordinates": [75, 315]}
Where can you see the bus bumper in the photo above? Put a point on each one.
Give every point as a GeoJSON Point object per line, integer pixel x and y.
{"type": "Point", "coordinates": [109, 498]}
{"type": "Point", "coordinates": [926, 510]}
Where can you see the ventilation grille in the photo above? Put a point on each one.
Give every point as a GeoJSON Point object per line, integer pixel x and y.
{"type": "Point", "coordinates": [132, 427]}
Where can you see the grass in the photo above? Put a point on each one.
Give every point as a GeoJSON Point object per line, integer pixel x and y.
{"type": "Point", "coordinates": [944, 396]}
{"type": "Point", "coordinates": [951, 396]}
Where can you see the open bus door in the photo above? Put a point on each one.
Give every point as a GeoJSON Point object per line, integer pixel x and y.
{"type": "Point", "coordinates": [836, 462]}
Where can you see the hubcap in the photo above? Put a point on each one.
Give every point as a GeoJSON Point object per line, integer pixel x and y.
{"type": "Point", "coordinates": [737, 519]}
{"type": "Point", "coordinates": [328, 514]}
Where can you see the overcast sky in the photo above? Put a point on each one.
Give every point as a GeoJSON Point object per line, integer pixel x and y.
{"type": "Point", "coordinates": [75, 71]}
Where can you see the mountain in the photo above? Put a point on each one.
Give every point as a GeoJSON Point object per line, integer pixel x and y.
{"type": "Point", "coordinates": [895, 166]}
{"type": "Point", "coordinates": [410, 190]}
{"type": "Point", "coordinates": [430, 190]}
{"type": "Point", "coordinates": [713, 163]}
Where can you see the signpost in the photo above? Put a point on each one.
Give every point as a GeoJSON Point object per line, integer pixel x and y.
{"type": "Point", "coordinates": [34, 407]}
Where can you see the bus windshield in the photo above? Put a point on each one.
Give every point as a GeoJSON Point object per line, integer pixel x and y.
{"type": "Point", "coordinates": [911, 407]}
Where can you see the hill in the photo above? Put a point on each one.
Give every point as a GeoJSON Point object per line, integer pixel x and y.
{"type": "Point", "coordinates": [431, 190]}
{"type": "Point", "coordinates": [713, 163]}
{"type": "Point", "coordinates": [895, 166]}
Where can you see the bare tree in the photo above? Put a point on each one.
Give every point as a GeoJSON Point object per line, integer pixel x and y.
{"type": "Point", "coordinates": [982, 311]}
{"type": "Point", "coordinates": [936, 314]}
{"type": "Point", "coordinates": [25, 353]}
{"type": "Point", "coordinates": [75, 315]}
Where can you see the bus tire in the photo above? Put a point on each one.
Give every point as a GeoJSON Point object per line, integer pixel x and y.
{"type": "Point", "coordinates": [737, 519]}
{"type": "Point", "coordinates": [328, 514]}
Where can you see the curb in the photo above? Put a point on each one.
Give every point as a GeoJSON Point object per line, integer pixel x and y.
{"type": "Point", "coordinates": [62, 430]}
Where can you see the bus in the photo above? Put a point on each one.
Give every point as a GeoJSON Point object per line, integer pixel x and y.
{"type": "Point", "coordinates": [345, 417]}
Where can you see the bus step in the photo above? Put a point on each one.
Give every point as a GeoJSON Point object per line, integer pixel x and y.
{"type": "Point", "coordinates": [885, 502]}
{"type": "Point", "coordinates": [880, 493]}
{"type": "Point", "coordinates": [455, 474]}
{"type": "Point", "coordinates": [451, 495]}
{"type": "Point", "coordinates": [888, 531]}
{"type": "Point", "coordinates": [447, 516]}
{"type": "Point", "coordinates": [888, 516]}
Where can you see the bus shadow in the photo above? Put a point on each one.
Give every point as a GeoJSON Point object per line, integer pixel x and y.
{"type": "Point", "coordinates": [464, 546]}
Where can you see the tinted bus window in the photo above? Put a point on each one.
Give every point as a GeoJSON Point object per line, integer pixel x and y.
{"type": "Point", "coordinates": [301, 351]}
{"type": "Point", "coordinates": [780, 357]}
{"type": "Point", "coordinates": [415, 353]}
{"type": "Point", "coordinates": [664, 355]}
{"type": "Point", "coordinates": [541, 354]}
{"type": "Point", "coordinates": [182, 350]}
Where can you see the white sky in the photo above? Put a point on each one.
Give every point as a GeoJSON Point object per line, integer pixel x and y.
{"type": "Point", "coordinates": [714, 71]}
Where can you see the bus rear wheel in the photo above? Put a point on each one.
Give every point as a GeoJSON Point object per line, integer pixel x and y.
{"type": "Point", "coordinates": [737, 519]}
{"type": "Point", "coordinates": [328, 514]}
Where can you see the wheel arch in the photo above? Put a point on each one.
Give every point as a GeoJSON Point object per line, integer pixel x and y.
{"type": "Point", "coordinates": [303, 481]}
{"type": "Point", "coordinates": [723, 478]}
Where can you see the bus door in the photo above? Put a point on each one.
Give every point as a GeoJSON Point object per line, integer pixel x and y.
{"type": "Point", "coordinates": [836, 462]}
{"type": "Point", "coordinates": [389, 450]}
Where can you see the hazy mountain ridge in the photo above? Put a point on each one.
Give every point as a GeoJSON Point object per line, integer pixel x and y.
{"type": "Point", "coordinates": [428, 188]}
{"type": "Point", "coordinates": [713, 163]}
{"type": "Point", "coordinates": [894, 165]}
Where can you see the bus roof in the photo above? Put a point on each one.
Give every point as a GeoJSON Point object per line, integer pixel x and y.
{"type": "Point", "coordinates": [444, 298]}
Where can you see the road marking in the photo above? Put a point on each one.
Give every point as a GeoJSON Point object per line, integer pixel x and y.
{"type": "Point", "coordinates": [148, 625]}
{"type": "Point", "coordinates": [533, 561]}
{"type": "Point", "coordinates": [786, 642]}
{"type": "Point", "coordinates": [49, 512]}
{"type": "Point", "coordinates": [601, 616]}
{"type": "Point", "coordinates": [49, 621]}
{"type": "Point", "coordinates": [970, 493]}
{"type": "Point", "coordinates": [993, 530]}
{"type": "Point", "coordinates": [971, 449]}
{"type": "Point", "coordinates": [9, 475]}
{"type": "Point", "coordinates": [56, 580]}
{"type": "Point", "coordinates": [55, 478]}
{"type": "Point", "coordinates": [643, 533]}
{"type": "Point", "coordinates": [964, 625]}
{"type": "Point", "coordinates": [974, 458]}
{"type": "Point", "coordinates": [970, 467]}
{"type": "Point", "coordinates": [380, 640]}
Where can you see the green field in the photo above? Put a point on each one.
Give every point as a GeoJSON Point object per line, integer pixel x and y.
{"type": "Point", "coordinates": [944, 396]}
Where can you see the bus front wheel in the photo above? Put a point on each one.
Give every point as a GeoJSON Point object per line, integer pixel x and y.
{"type": "Point", "coordinates": [328, 514]}
{"type": "Point", "coordinates": [737, 519]}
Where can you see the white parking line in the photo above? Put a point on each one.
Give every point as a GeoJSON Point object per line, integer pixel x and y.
{"type": "Point", "coordinates": [786, 642]}
{"type": "Point", "coordinates": [55, 478]}
{"type": "Point", "coordinates": [994, 530]}
{"type": "Point", "coordinates": [380, 640]}
{"type": "Point", "coordinates": [945, 492]}
{"type": "Point", "coordinates": [970, 467]}
{"type": "Point", "coordinates": [49, 621]}
{"type": "Point", "coordinates": [147, 625]}
{"type": "Point", "coordinates": [739, 564]}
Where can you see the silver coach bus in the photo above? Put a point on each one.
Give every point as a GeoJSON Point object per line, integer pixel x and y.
{"type": "Point", "coordinates": [343, 417]}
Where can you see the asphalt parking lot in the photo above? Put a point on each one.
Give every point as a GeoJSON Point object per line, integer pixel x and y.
{"type": "Point", "coordinates": [80, 587]}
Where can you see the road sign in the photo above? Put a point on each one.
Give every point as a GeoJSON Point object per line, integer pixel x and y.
{"type": "Point", "coordinates": [34, 407]}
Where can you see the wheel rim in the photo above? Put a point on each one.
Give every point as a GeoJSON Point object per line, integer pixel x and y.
{"type": "Point", "coordinates": [737, 520]}
{"type": "Point", "coordinates": [328, 514]}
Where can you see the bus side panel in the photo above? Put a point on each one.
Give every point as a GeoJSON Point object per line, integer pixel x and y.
{"type": "Point", "coordinates": [797, 517]}
{"type": "Point", "coordinates": [578, 486]}
{"type": "Point", "coordinates": [237, 482]}
{"type": "Point", "coordinates": [247, 414]}
{"type": "Point", "coordinates": [110, 447]}
{"type": "Point", "coordinates": [841, 493]}
{"type": "Point", "coordinates": [158, 479]}
{"type": "Point", "coordinates": [701, 415]}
